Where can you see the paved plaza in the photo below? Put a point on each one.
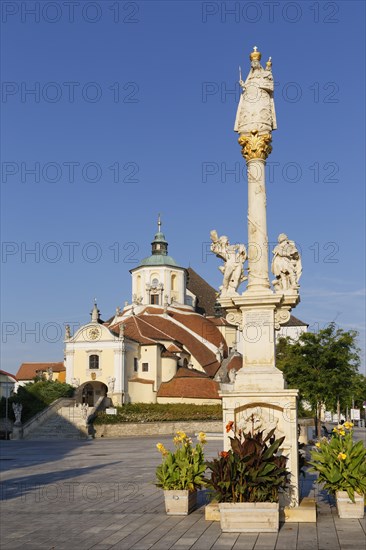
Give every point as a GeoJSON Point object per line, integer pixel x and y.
{"type": "Point", "coordinates": [99, 494]}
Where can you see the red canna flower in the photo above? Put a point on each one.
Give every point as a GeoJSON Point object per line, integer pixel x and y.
{"type": "Point", "coordinates": [229, 426]}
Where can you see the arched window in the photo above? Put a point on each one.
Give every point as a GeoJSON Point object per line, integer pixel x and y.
{"type": "Point", "coordinates": [155, 282]}
{"type": "Point", "coordinates": [94, 362]}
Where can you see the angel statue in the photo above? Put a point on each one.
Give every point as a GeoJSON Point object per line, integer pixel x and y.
{"type": "Point", "coordinates": [286, 265]}
{"type": "Point", "coordinates": [234, 256]}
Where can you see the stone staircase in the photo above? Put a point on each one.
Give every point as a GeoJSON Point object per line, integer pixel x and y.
{"type": "Point", "coordinates": [64, 421]}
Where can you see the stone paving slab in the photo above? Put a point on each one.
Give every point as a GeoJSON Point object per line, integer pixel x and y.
{"type": "Point", "coordinates": [60, 495]}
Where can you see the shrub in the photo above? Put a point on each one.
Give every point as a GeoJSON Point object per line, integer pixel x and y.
{"type": "Point", "coordinates": [160, 412]}
{"type": "Point", "coordinates": [35, 397]}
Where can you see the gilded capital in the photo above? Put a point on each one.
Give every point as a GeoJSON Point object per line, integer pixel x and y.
{"type": "Point", "coordinates": [255, 146]}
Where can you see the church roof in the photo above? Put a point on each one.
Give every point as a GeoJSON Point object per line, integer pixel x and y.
{"type": "Point", "coordinates": [159, 259]}
{"type": "Point", "coordinates": [191, 331]}
{"type": "Point", "coordinates": [205, 293]}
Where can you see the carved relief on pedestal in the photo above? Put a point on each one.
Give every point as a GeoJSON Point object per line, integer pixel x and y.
{"type": "Point", "coordinates": [255, 146]}
{"type": "Point", "coordinates": [253, 421]}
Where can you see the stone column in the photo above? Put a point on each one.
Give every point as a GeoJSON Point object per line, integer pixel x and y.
{"type": "Point", "coordinates": [255, 150]}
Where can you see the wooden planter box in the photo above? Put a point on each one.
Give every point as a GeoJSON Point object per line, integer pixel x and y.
{"type": "Point", "coordinates": [249, 517]}
{"type": "Point", "coordinates": [180, 503]}
{"type": "Point", "coordinates": [347, 509]}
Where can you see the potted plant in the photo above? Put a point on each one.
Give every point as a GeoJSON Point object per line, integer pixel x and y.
{"type": "Point", "coordinates": [247, 480]}
{"type": "Point", "coordinates": [341, 465]}
{"type": "Point", "coordinates": [181, 473]}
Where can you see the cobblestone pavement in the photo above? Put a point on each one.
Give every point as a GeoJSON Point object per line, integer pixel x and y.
{"type": "Point", "coordinates": [99, 494]}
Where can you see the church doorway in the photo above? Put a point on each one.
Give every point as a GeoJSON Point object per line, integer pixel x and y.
{"type": "Point", "coordinates": [90, 392]}
{"type": "Point", "coordinates": [88, 395]}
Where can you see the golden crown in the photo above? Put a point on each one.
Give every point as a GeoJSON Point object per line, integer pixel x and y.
{"type": "Point", "coordinates": [255, 55]}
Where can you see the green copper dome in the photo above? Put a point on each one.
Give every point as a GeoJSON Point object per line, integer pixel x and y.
{"type": "Point", "coordinates": [159, 259]}
{"type": "Point", "coordinates": [159, 251]}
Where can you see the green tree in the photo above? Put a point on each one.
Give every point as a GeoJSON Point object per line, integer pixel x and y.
{"type": "Point", "coordinates": [322, 365]}
{"type": "Point", "coordinates": [359, 391]}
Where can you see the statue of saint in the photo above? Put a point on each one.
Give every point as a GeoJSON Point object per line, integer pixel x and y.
{"type": "Point", "coordinates": [256, 111]}
{"type": "Point", "coordinates": [17, 408]}
{"type": "Point", "coordinates": [111, 382]}
{"type": "Point", "coordinates": [234, 256]}
{"type": "Point", "coordinates": [286, 265]}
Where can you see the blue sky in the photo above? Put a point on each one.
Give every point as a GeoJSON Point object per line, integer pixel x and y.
{"type": "Point", "coordinates": [132, 114]}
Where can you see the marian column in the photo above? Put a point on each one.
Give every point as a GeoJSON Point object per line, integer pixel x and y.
{"type": "Point", "coordinates": [258, 395]}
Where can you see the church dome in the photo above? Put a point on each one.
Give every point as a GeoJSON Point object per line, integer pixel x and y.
{"type": "Point", "coordinates": [159, 251]}
{"type": "Point", "coordinates": [159, 259]}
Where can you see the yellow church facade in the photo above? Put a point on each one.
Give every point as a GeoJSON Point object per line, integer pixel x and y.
{"type": "Point", "coordinates": [166, 346]}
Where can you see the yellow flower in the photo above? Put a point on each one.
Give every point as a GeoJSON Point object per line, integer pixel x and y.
{"type": "Point", "coordinates": [181, 437]}
{"type": "Point", "coordinates": [348, 425]}
{"type": "Point", "coordinates": [342, 432]}
{"type": "Point", "coordinates": [342, 456]}
{"type": "Point", "coordinates": [202, 438]}
{"type": "Point", "coordinates": [317, 445]}
{"type": "Point", "coordinates": [162, 449]}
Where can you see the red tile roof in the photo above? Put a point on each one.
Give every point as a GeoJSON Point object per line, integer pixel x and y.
{"type": "Point", "coordinates": [184, 372]}
{"type": "Point", "coordinates": [220, 321]}
{"type": "Point", "coordinates": [151, 328]}
{"type": "Point", "coordinates": [174, 348]}
{"type": "Point", "coordinates": [205, 293]}
{"type": "Point", "coordinates": [166, 353]}
{"type": "Point", "coordinates": [202, 326]}
{"type": "Point", "coordinates": [27, 371]}
{"type": "Point", "coordinates": [198, 388]}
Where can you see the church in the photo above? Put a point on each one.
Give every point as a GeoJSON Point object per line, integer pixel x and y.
{"type": "Point", "coordinates": [170, 345]}
{"type": "Point", "coordinates": [165, 347]}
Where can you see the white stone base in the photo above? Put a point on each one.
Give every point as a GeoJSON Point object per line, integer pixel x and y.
{"type": "Point", "coordinates": [258, 379]}
{"type": "Point", "coordinates": [270, 409]}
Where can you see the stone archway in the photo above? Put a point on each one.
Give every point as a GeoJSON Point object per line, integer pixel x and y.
{"type": "Point", "coordinates": [90, 392]}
